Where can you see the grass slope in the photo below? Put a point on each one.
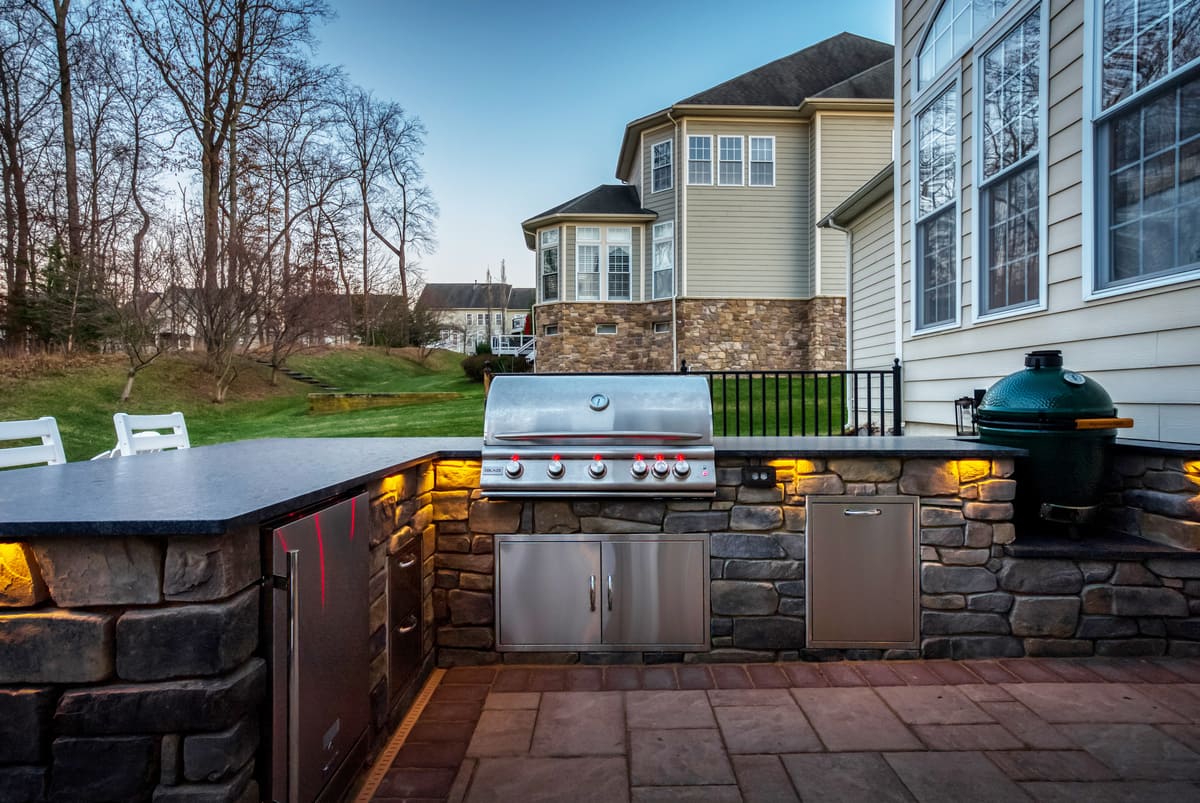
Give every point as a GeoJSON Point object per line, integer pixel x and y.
{"type": "Point", "coordinates": [82, 393]}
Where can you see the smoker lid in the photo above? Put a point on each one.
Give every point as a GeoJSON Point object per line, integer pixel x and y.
{"type": "Point", "coordinates": [532, 409]}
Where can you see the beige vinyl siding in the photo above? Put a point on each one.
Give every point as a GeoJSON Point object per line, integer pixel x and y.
{"type": "Point", "coordinates": [810, 218]}
{"type": "Point", "coordinates": [662, 203]}
{"type": "Point", "coordinates": [1140, 346]}
{"type": "Point", "coordinates": [567, 278]}
{"type": "Point", "coordinates": [854, 147]}
{"type": "Point", "coordinates": [751, 242]}
{"type": "Point", "coordinates": [874, 302]}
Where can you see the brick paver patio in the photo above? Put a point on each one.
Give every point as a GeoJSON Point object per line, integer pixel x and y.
{"type": "Point", "coordinates": [1045, 729]}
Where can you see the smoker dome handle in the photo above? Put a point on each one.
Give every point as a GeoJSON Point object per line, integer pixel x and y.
{"type": "Point", "coordinates": [1103, 423]}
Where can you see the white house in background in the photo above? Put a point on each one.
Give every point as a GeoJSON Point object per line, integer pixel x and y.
{"type": "Point", "coordinates": [471, 312]}
{"type": "Point", "coordinates": [1047, 195]}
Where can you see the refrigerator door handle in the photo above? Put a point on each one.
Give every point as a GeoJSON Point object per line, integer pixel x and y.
{"type": "Point", "coordinates": [293, 718]}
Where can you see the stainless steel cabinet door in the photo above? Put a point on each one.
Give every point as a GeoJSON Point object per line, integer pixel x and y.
{"type": "Point", "coordinates": [654, 593]}
{"type": "Point", "coordinates": [861, 570]}
{"type": "Point", "coordinates": [548, 592]}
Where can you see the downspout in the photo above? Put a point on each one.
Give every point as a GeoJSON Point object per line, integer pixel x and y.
{"type": "Point", "coordinates": [678, 229]}
{"type": "Point", "coordinates": [827, 223]}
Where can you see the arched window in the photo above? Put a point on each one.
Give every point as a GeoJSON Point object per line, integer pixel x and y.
{"type": "Point", "coordinates": [954, 27]}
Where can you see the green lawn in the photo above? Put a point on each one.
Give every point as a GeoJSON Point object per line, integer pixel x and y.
{"type": "Point", "coordinates": [82, 395]}
{"type": "Point", "coordinates": [814, 406]}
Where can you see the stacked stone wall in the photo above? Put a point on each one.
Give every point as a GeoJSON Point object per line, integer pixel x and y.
{"type": "Point", "coordinates": [1156, 496]}
{"type": "Point", "coordinates": [577, 347]}
{"type": "Point", "coordinates": [128, 668]}
{"type": "Point", "coordinates": [716, 334]}
{"type": "Point", "coordinates": [976, 599]}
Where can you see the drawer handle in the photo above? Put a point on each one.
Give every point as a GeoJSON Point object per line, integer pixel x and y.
{"type": "Point", "coordinates": [592, 592]}
{"type": "Point", "coordinates": [610, 593]}
{"type": "Point", "coordinates": [872, 512]}
{"type": "Point", "coordinates": [404, 564]}
{"type": "Point", "coordinates": [408, 628]}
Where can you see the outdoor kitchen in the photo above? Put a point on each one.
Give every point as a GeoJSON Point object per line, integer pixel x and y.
{"type": "Point", "coordinates": [253, 620]}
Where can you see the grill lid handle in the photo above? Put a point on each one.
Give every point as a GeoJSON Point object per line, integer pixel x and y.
{"type": "Point", "coordinates": [607, 436]}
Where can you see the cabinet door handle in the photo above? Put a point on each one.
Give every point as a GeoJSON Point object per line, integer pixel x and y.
{"type": "Point", "coordinates": [404, 564]}
{"type": "Point", "coordinates": [610, 592]}
{"type": "Point", "coordinates": [872, 512]}
{"type": "Point", "coordinates": [592, 592]}
{"type": "Point", "coordinates": [410, 624]}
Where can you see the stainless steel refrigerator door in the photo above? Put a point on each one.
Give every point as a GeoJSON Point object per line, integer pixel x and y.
{"type": "Point", "coordinates": [325, 688]}
{"type": "Point", "coordinates": [861, 572]}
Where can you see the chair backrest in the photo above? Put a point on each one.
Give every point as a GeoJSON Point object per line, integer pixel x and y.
{"type": "Point", "coordinates": [50, 451]}
{"type": "Point", "coordinates": [140, 433]}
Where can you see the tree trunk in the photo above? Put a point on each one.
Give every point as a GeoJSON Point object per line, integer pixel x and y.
{"type": "Point", "coordinates": [74, 222]}
{"type": "Point", "coordinates": [128, 389]}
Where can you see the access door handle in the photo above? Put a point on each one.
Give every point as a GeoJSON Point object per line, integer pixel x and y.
{"type": "Point", "coordinates": [409, 625]}
{"type": "Point", "coordinates": [411, 559]}
{"type": "Point", "coordinates": [872, 512]}
{"type": "Point", "coordinates": [610, 593]}
{"type": "Point", "coordinates": [592, 592]}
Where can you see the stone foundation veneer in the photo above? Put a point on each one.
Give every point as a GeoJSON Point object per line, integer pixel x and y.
{"type": "Point", "coordinates": [131, 668]}
{"type": "Point", "coordinates": [976, 599]}
{"type": "Point", "coordinates": [714, 335]}
{"type": "Point", "coordinates": [1156, 496]}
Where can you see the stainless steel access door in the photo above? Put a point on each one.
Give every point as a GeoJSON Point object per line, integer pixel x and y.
{"type": "Point", "coordinates": [548, 592]}
{"type": "Point", "coordinates": [861, 572]}
{"type": "Point", "coordinates": [654, 594]}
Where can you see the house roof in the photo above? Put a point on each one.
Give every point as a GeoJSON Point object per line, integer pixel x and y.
{"type": "Point", "coordinates": [806, 73]}
{"type": "Point", "coordinates": [605, 201]}
{"type": "Point", "coordinates": [473, 295]}
{"type": "Point", "coordinates": [862, 199]}
{"type": "Point", "coordinates": [842, 68]}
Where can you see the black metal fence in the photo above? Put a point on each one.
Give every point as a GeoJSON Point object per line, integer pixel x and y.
{"type": "Point", "coordinates": [805, 402]}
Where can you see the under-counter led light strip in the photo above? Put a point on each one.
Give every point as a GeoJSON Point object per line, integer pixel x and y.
{"type": "Point", "coordinates": [383, 762]}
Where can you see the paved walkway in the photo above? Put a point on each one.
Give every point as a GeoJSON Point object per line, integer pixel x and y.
{"type": "Point", "coordinates": [1091, 730]}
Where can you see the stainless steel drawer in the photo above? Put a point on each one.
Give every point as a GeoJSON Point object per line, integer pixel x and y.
{"type": "Point", "coordinates": [861, 572]}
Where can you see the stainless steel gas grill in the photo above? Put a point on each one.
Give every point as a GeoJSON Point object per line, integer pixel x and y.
{"type": "Point", "coordinates": [559, 435]}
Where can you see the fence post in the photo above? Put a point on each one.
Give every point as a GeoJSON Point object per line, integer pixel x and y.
{"type": "Point", "coordinates": [897, 409]}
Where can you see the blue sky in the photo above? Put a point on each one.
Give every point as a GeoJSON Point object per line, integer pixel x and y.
{"type": "Point", "coordinates": [526, 101]}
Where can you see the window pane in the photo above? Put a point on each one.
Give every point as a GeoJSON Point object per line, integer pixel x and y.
{"type": "Point", "coordinates": [660, 174]}
{"type": "Point", "coordinates": [1185, 40]}
{"type": "Point", "coordinates": [587, 233]}
{"type": "Point", "coordinates": [1010, 98]}
{"type": "Point", "coordinates": [1011, 209]}
{"type": "Point", "coordinates": [620, 234]}
{"type": "Point", "coordinates": [664, 283]}
{"type": "Point", "coordinates": [936, 155]}
{"type": "Point", "coordinates": [936, 237]}
{"type": "Point", "coordinates": [618, 272]}
{"type": "Point", "coordinates": [1153, 169]}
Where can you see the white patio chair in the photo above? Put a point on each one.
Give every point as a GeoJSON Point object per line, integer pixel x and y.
{"type": "Point", "coordinates": [50, 451]}
{"type": "Point", "coordinates": [137, 434]}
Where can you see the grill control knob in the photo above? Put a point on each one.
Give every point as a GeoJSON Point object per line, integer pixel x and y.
{"type": "Point", "coordinates": [555, 469]}
{"type": "Point", "coordinates": [638, 469]}
{"type": "Point", "coordinates": [513, 469]}
{"type": "Point", "coordinates": [661, 469]}
{"type": "Point", "coordinates": [597, 469]}
{"type": "Point", "coordinates": [682, 469]}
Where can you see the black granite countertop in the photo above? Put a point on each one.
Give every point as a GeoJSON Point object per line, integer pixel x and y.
{"type": "Point", "coordinates": [212, 489]}
{"type": "Point", "coordinates": [879, 446]}
{"type": "Point", "coordinates": [206, 489]}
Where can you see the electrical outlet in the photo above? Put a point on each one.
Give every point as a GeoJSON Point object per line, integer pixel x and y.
{"type": "Point", "coordinates": [758, 476]}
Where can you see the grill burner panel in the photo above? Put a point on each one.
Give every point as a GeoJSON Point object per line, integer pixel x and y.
{"type": "Point", "coordinates": [555, 435]}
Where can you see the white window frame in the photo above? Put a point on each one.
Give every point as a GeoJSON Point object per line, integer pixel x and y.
{"type": "Point", "coordinates": [980, 29]}
{"type": "Point", "coordinates": [606, 328]}
{"type": "Point", "coordinates": [624, 240]}
{"type": "Point", "coordinates": [550, 329]}
{"type": "Point", "coordinates": [654, 269]}
{"type": "Point", "coordinates": [1002, 26]}
{"type": "Point", "coordinates": [692, 161]}
{"type": "Point", "coordinates": [951, 82]}
{"type": "Point", "coordinates": [741, 140]}
{"type": "Point", "coordinates": [670, 165]}
{"type": "Point", "coordinates": [751, 162]}
{"type": "Point", "coordinates": [598, 274]}
{"type": "Point", "coordinates": [661, 327]}
{"type": "Point", "coordinates": [1095, 180]}
{"type": "Point", "coordinates": [544, 246]}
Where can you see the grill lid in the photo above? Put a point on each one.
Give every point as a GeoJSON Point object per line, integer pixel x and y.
{"type": "Point", "coordinates": [558, 409]}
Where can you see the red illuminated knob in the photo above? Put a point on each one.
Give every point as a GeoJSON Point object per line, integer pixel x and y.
{"type": "Point", "coordinates": [661, 469]}
{"type": "Point", "coordinates": [597, 469]}
{"type": "Point", "coordinates": [638, 469]}
{"type": "Point", "coordinates": [682, 469]}
{"type": "Point", "coordinates": [513, 469]}
{"type": "Point", "coordinates": [555, 469]}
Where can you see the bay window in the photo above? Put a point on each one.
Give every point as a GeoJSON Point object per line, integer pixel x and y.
{"type": "Point", "coordinates": [664, 260]}
{"type": "Point", "coordinates": [620, 263]}
{"type": "Point", "coordinates": [660, 166]}
{"type": "Point", "coordinates": [548, 260]}
{"type": "Point", "coordinates": [587, 263]}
